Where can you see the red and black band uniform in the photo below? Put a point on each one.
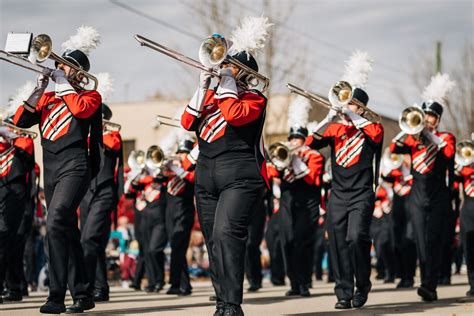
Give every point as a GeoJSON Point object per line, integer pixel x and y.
{"type": "Point", "coordinates": [352, 199]}
{"type": "Point", "coordinates": [151, 201]}
{"type": "Point", "coordinates": [180, 219]}
{"type": "Point", "coordinates": [95, 212]}
{"type": "Point", "coordinates": [66, 118]}
{"type": "Point", "coordinates": [467, 221]}
{"type": "Point", "coordinates": [403, 234]}
{"type": "Point", "coordinates": [299, 212]}
{"type": "Point", "coordinates": [16, 163]}
{"type": "Point", "coordinates": [230, 178]}
{"type": "Point", "coordinates": [429, 199]}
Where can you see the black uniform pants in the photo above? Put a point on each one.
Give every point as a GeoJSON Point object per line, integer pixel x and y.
{"type": "Point", "coordinates": [404, 238]}
{"type": "Point", "coordinates": [95, 231]}
{"type": "Point", "coordinates": [179, 220]}
{"type": "Point", "coordinates": [253, 263]}
{"type": "Point", "coordinates": [228, 189]}
{"type": "Point", "coordinates": [272, 237]}
{"type": "Point", "coordinates": [467, 237]}
{"type": "Point", "coordinates": [348, 225]}
{"type": "Point", "coordinates": [384, 246]}
{"type": "Point", "coordinates": [154, 241]}
{"type": "Point", "coordinates": [66, 179]}
{"type": "Point", "coordinates": [448, 249]}
{"type": "Point", "coordinates": [298, 223]}
{"type": "Point", "coordinates": [429, 217]}
{"type": "Point", "coordinates": [12, 205]}
{"type": "Point", "coordinates": [139, 231]}
{"type": "Point", "coordinates": [16, 280]}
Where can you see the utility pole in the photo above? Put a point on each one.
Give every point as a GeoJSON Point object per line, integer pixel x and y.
{"type": "Point", "coordinates": [438, 57]}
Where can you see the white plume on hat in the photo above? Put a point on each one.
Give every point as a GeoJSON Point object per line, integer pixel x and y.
{"type": "Point", "coordinates": [105, 84]}
{"type": "Point", "coordinates": [251, 35]}
{"type": "Point", "coordinates": [19, 97]}
{"type": "Point", "coordinates": [357, 69]}
{"type": "Point", "coordinates": [86, 39]}
{"type": "Point", "coordinates": [438, 89]}
{"type": "Point", "coordinates": [298, 111]}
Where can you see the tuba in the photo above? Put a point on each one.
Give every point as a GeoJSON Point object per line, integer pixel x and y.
{"type": "Point", "coordinates": [412, 120]}
{"type": "Point", "coordinates": [41, 49]}
{"type": "Point", "coordinates": [136, 162]}
{"type": "Point", "coordinates": [464, 153]}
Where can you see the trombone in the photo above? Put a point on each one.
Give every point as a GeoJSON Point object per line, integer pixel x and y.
{"type": "Point", "coordinates": [339, 95]}
{"type": "Point", "coordinates": [412, 120]}
{"type": "Point", "coordinates": [391, 161]}
{"type": "Point", "coordinates": [111, 126]}
{"type": "Point", "coordinates": [281, 153]}
{"type": "Point", "coordinates": [212, 53]}
{"type": "Point", "coordinates": [464, 153]}
{"type": "Point", "coordinates": [17, 130]}
{"type": "Point", "coordinates": [42, 49]}
{"type": "Point", "coordinates": [165, 120]}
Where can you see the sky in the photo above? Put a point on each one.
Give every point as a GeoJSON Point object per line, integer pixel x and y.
{"type": "Point", "coordinates": [397, 34]}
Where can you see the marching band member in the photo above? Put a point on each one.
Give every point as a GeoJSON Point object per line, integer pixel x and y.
{"type": "Point", "coordinates": [466, 173]}
{"type": "Point", "coordinates": [432, 155]}
{"type": "Point", "coordinates": [354, 143]}
{"type": "Point", "coordinates": [299, 208]}
{"type": "Point", "coordinates": [150, 188]}
{"type": "Point", "coordinates": [16, 163]}
{"type": "Point", "coordinates": [66, 117]}
{"type": "Point", "coordinates": [96, 207]}
{"type": "Point", "coordinates": [231, 171]}
{"type": "Point", "coordinates": [180, 214]}
{"type": "Point", "coordinates": [405, 248]}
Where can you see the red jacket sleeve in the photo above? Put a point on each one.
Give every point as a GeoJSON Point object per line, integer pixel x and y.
{"type": "Point", "coordinates": [405, 148]}
{"type": "Point", "coordinates": [315, 164]}
{"type": "Point", "coordinates": [113, 141]}
{"type": "Point", "coordinates": [374, 131]}
{"type": "Point", "coordinates": [189, 121]}
{"type": "Point", "coordinates": [188, 163]}
{"type": "Point", "coordinates": [272, 172]}
{"type": "Point", "coordinates": [449, 149]}
{"type": "Point", "coordinates": [24, 118]}
{"type": "Point", "coordinates": [317, 141]}
{"type": "Point", "coordinates": [190, 176]}
{"type": "Point", "coordinates": [24, 143]}
{"type": "Point", "coordinates": [83, 105]}
{"type": "Point", "coordinates": [246, 109]}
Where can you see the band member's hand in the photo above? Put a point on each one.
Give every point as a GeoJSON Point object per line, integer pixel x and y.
{"type": "Point", "coordinates": [58, 76]}
{"type": "Point", "coordinates": [204, 79]}
{"type": "Point", "coordinates": [332, 115]}
{"type": "Point", "coordinates": [225, 72]}
{"type": "Point", "coordinates": [6, 133]}
{"type": "Point", "coordinates": [300, 169]}
{"type": "Point", "coordinates": [400, 139]}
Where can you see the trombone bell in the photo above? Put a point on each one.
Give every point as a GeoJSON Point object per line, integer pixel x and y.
{"type": "Point", "coordinates": [412, 120]}
{"type": "Point", "coordinates": [464, 153]}
{"type": "Point", "coordinates": [213, 51]}
{"type": "Point", "coordinates": [340, 94]}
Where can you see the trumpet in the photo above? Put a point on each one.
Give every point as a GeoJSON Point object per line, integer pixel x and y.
{"type": "Point", "coordinates": [41, 49]}
{"type": "Point", "coordinates": [391, 161]}
{"type": "Point", "coordinates": [212, 53]}
{"type": "Point", "coordinates": [339, 95]}
{"type": "Point", "coordinates": [17, 130]}
{"type": "Point", "coordinates": [464, 153]}
{"type": "Point", "coordinates": [111, 126]}
{"type": "Point", "coordinates": [165, 120]}
{"type": "Point", "coordinates": [281, 153]}
{"type": "Point", "coordinates": [412, 120]}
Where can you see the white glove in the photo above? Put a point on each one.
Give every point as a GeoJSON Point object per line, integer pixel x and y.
{"type": "Point", "coordinates": [6, 133]}
{"type": "Point", "coordinates": [332, 115]}
{"type": "Point", "coordinates": [400, 138]}
{"type": "Point", "coordinates": [227, 86]}
{"type": "Point", "coordinates": [177, 170]}
{"type": "Point", "coordinates": [431, 137]}
{"type": "Point", "coordinates": [194, 154]}
{"type": "Point", "coordinates": [41, 84]}
{"type": "Point", "coordinates": [299, 167]}
{"type": "Point", "coordinates": [204, 79]}
{"type": "Point", "coordinates": [276, 190]}
{"type": "Point", "coordinates": [356, 119]}
{"type": "Point", "coordinates": [62, 87]}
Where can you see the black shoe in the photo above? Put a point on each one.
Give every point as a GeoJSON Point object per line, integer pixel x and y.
{"type": "Point", "coordinates": [233, 310]}
{"type": "Point", "coordinates": [389, 280]}
{"type": "Point", "coordinates": [185, 292]}
{"type": "Point", "coordinates": [173, 291]}
{"type": "Point", "coordinates": [220, 308]}
{"type": "Point", "coordinates": [470, 293]}
{"type": "Point", "coordinates": [135, 287]}
{"type": "Point", "coordinates": [304, 291]}
{"type": "Point", "coordinates": [149, 289]}
{"type": "Point", "coordinates": [212, 298]}
{"type": "Point", "coordinates": [254, 288]}
{"type": "Point", "coordinates": [405, 284]}
{"type": "Point", "coordinates": [12, 297]}
{"type": "Point", "coordinates": [81, 305]}
{"type": "Point", "coordinates": [52, 308]}
{"type": "Point", "coordinates": [343, 304]}
{"type": "Point", "coordinates": [24, 292]}
{"type": "Point", "coordinates": [276, 282]}
{"type": "Point", "coordinates": [1, 300]}
{"type": "Point", "coordinates": [445, 281]}
{"type": "Point", "coordinates": [380, 276]}
{"type": "Point", "coordinates": [159, 287]}
{"type": "Point", "coordinates": [427, 295]}
{"type": "Point", "coordinates": [360, 297]}
{"type": "Point", "coordinates": [101, 296]}
{"type": "Point", "coordinates": [293, 292]}
{"type": "Point", "coordinates": [331, 280]}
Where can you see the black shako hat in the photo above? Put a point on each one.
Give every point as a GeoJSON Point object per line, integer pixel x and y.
{"type": "Point", "coordinates": [246, 59]}
{"type": "Point", "coordinates": [360, 95]}
{"type": "Point", "coordinates": [298, 131]}
{"type": "Point", "coordinates": [185, 146]}
{"type": "Point", "coordinates": [432, 107]}
{"type": "Point", "coordinates": [76, 57]}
